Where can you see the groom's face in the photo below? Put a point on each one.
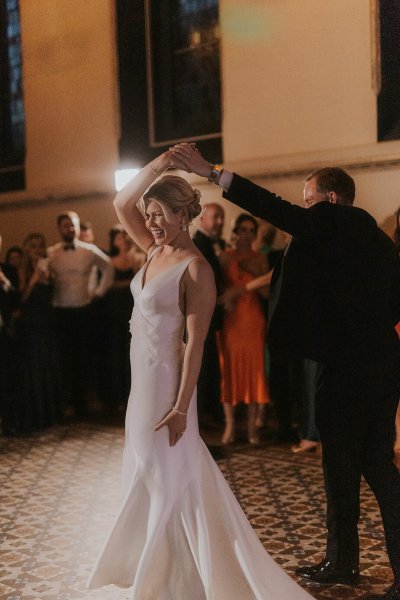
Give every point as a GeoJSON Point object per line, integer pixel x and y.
{"type": "Point", "coordinates": [312, 195]}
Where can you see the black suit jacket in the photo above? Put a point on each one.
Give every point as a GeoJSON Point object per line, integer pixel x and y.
{"type": "Point", "coordinates": [338, 293]}
{"type": "Point", "coordinates": [205, 245]}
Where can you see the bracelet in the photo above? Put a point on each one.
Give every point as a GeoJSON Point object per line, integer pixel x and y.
{"type": "Point", "coordinates": [179, 412]}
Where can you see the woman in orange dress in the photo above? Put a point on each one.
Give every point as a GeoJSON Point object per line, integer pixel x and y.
{"type": "Point", "coordinates": [242, 338]}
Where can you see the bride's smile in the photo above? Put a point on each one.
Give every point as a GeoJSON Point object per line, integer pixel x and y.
{"type": "Point", "coordinates": [164, 225]}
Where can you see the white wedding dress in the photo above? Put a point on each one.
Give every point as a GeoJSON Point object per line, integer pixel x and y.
{"type": "Point", "coordinates": [180, 534]}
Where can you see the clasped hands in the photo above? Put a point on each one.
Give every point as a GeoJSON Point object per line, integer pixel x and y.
{"type": "Point", "coordinates": [184, 156]}
{"type": "Point", "coordinates": [176, 424]}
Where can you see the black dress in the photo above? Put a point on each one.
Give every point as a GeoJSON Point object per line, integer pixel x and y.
{"type": "Point", "coordinates": [38, 391]}
{"type": "Point", "coordinates": [118, 311]}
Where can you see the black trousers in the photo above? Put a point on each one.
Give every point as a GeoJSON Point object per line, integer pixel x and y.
{"type": "Point", "coordinates": [209, 382]}
{"type": "Point", "coordinates": [285, 382]}
{"type": "Point", "coordinates": [75, 338]}
{"type": "Point", "coordinates": [356, 422]}
{"type": "Point", "coordinates": [8, 379]}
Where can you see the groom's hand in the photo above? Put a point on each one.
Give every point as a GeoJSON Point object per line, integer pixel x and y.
{"type": "Point", "coordinates": [187, 157]}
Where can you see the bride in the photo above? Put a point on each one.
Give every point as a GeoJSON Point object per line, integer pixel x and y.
{"type": "Point", "coordinates": [180, 533]}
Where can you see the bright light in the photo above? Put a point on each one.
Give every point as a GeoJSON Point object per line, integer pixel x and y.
{"type": "Point", "coordinates": [123, 176]}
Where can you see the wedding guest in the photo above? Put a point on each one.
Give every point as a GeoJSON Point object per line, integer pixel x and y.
{"type": "Point", "coordinates": [242, 336]}
{"type": "Point", "coordinates": [38, 390]}
{"type": "Point", "coordinates": [87, 232]}
{"type": "Point", "coordinates": [118, 311]}
{"type": "Point", "coordinates": [9, 305]}
{"type": "Point", "coordinates": [209, 241]}
{"type": "Point", "coordinates": [15, 258]}
{"type": "Point", "coordinates": [71, 263]}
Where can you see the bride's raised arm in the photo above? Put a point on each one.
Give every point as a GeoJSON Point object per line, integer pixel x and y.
{"type": "Point", "coordinates": [126, 201]}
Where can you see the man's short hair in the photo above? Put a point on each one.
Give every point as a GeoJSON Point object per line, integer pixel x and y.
{"type": "Point", "coordinates": [70, 214]}
{"type": "Point", "coordinates": [333, 179]}
{"type": "Point", "coordinates": [85, 225]}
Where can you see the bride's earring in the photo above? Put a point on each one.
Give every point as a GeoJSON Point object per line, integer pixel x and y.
{"type": "Point", "coordinates": [184, 226]}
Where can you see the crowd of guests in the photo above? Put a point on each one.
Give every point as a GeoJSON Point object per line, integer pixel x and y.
{"type": "Point", "coordinates": [248, 372]}
{"type": "Point", "coordinates": [64, 333]}
{"type": "Point", "coordinates": [64, 341]}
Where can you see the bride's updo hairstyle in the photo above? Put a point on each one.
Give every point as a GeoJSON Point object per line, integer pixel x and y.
{"type": "Point", "coordinates": [174, 194]}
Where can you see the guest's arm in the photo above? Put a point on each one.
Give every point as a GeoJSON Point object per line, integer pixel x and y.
{"type": "Point", "coordinates": [105, 266]}
{"type": "Point", "coordinates": [232, 293]}
{"type": "Point", "coordinates": [39, 276]}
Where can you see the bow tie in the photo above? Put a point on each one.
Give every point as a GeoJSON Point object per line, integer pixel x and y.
{"type": "Point", "coordinates": [69, 247]}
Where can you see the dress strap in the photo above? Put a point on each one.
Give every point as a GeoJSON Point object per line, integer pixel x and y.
{"type": "Point", "coordinates": [152, 250]}
{"type": "Point", "coordinates": [183, 265]}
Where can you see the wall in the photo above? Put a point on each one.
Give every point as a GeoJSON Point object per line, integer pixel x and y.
{"type": "Point", "coordinates": [69, 65]}
{"type": "Point", "coordinates": [298, 93]}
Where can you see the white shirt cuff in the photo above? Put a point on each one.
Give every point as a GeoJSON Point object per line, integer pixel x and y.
{"type": "Point", "coordinates": [225, 180]}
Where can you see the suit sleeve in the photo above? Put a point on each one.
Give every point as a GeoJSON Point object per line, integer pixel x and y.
{"type": "Point", "coordinates": [264, 204]}
{"type": "Point", "coordinates": [395, 292]}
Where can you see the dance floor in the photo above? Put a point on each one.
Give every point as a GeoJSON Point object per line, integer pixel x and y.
{"type": "Point", "coordinates": [60, 490]}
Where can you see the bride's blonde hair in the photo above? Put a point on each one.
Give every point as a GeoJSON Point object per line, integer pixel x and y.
{"type": "Point", "coordinates": [174, 193]}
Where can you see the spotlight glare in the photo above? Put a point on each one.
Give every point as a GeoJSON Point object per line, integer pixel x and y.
{"type": "Point", "coordinates": [123, 176]}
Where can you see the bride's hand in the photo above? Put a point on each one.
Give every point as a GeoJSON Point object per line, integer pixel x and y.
{"type": "Point", "coordinates": [188, 158]}
{"type": "Point", "coordinates": [176, 424]}
{"type": "Point", "coordinates": [162, 162]}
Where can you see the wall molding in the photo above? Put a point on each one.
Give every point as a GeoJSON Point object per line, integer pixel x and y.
{"type": "Point", "coordinates": [373, 157]}
{"type": "Point", "coordinates": [14, 202]}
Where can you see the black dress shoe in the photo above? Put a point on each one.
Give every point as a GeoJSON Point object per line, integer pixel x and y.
{"type": "Point", "coordinates": [392, 594]}
{"type": "Point", "coordinates": [326, 572]}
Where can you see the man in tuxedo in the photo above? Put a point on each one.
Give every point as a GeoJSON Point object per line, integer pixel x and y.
{"type": "Point", "coordinates": [208, 240]}
{"type": "Point", "coordinates": [339, 301]}
{"type": "Point", "coordinates": [9, 302]}
{"type": "Point", "coordinates": [72, 264]}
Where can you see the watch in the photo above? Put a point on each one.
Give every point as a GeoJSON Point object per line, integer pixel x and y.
{"type": "Point", "coordinates": [215, 174]}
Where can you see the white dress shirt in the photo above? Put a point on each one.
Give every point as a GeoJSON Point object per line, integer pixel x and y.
{"type": "Point", "coordinates": [71, 271]}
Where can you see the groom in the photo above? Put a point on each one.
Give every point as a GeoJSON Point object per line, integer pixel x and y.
{"type": "Point", "coordinates": [338, 302]}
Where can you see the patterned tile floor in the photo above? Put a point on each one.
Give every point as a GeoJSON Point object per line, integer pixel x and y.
{"type": "Point", "coordinates": [59, 492]}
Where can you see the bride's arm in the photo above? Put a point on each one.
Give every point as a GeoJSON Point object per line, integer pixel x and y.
{"type": "Point", "coordinates": [126, 201]}
{"type": "Point", "coordinates": [200, 296]}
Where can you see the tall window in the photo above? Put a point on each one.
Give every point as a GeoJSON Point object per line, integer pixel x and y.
{"type": "Point", "coordinates": [169, 75]}
{"type": "Point", "coordinates": [12, 119]}
{"type": "Point", "coordinates": [183, 70]}
{"type": "Point", "coordinates": [389, 96]}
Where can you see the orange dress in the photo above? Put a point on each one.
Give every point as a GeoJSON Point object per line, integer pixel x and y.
{"type": "Point", "coordinates": [242, 341]}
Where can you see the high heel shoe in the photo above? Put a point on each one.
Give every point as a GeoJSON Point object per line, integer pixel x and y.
{"type": "Point", "coordinates": [305, 446]}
